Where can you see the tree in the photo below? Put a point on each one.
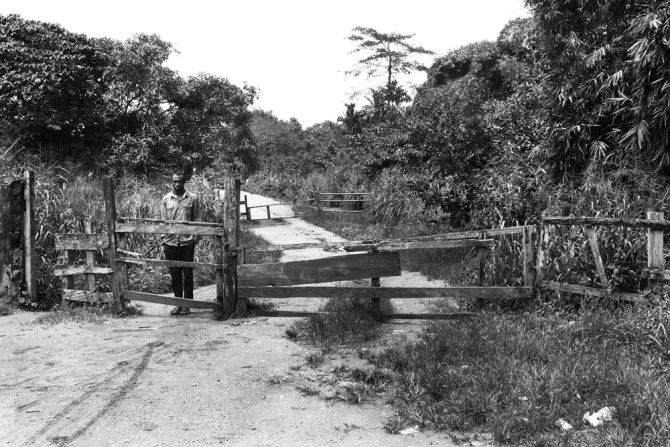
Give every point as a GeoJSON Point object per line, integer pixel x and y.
{"type": "Point", "coordinates": [387, 53]}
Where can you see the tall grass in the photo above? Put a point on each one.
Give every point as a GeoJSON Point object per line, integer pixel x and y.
{"type": "Point", "coordinates": [517, 375]}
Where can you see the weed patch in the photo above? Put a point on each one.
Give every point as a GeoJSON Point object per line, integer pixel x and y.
{"type": "Point", "coordinates": [517, 375]}
{"type": "Point", "coordinates": [342, 321]}
{"type": "Point", "coordinates": [72, 313]}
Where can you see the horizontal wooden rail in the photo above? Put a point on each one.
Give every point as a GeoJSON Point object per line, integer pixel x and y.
{"type": "Point", "coordinates": [431, 316]}
{"type": "Point", "coordinates": [394, 316]}
{"type": "Point", "coordinates": [346, 200]}
{"type": "Point", "coordinates": [371, 244]}
{"type": "Point", "coordinates": [592, 291]}
{"type": "Point", "coordinates": [88, 297]}
{"type": "Point", "coordinates": [345, 193]}
{"type": "Point", "coordinates": [169, 222]}
{"type": "Point", "coordinates": [420, 245]}
{"type": "Point", "coordinates": [661, 224]}
{"type": "Point", "coordinates": [81, 269]}
{"type": "Point", "coordinates": [339, 210]}
{"type": "Point", "coordinates": [169, 300]}
{"type": "Point", "coordinates": [82, 241]}
{"type": "Point", "coordinates": [313, 271]}
{"type": "Point", "coordinates": [386, 292]}
{"type": "Point", "coordinates": [163, 228]}
{"type": "Point", "coordinates": [165, 263]}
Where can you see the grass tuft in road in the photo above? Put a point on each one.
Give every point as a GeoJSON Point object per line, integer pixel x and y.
{"type": "Point", "coordinates": [73, 313]}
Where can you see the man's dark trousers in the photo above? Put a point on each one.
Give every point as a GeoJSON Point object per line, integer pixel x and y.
{"type": "Point", "coordinates": [182, 277]}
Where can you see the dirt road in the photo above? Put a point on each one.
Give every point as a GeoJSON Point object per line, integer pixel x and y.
{"type": "Point", "coordinates": [158, 380]}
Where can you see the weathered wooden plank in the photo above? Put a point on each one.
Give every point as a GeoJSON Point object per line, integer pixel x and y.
{"type": "Point", "coordinates": [407, 316]}
{"type": "Point", "coordinates": [88, 297]}
{"type": "Point", "coordinates": [168, 222]}
{"type": "Point", "coordinates": [386, 292]}
{"type": "Point", "coordinates": [345, 193]}
{"type": "Point", "coordinates": [337, 268]}
{"type": "Point", "coordinates": [231, 223]}
{"type": "Point", "coordinates": [593, 242]}
{"type": "Point", "coordinates": [338, 210]}
{"type": "Point", "coordinates": [284, 313]}
{"type": "Point", "coordinates": [420, 245]}
{"type": "Point", "coordinates": [164, 228]}
{"type": "Point", "coordinates": [90, 258]}
{"type": "Point", "coordinates": [169, 300]}
{"type": "Point", "coordinates": [655, 257]}
{"type": "Point", "coordinates": [30, 278]}
{"type": "Point", "coordinates": [592, 291]}
{"type": "Point", "coordinates": [166, 263]}
{"type": "Point", "coordinates": [659, 224]}
{"type": "Point", "coordinates": [82, 270]}
{"type": "Point", "coordinates": [110, 221]}
{"type": "Point", "coordinates": [82, 241]}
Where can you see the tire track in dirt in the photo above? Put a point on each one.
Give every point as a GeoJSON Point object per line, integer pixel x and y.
{"type": "Point", "coordinates": [52, 424]}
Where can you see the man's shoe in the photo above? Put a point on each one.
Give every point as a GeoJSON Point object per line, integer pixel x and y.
{"type": "Point", "coordinates": [185, 311]}
{"type": "Point", "coordinates": [176, 311]}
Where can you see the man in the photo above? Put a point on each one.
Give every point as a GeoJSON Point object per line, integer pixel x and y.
{"type": "Point", "coordinates": [180, 205]}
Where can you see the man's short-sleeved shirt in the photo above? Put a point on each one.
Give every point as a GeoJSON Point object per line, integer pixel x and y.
{"type": "Point", "coordinates": [184, 209]}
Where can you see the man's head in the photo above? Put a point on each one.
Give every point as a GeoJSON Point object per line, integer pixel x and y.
{"type": "Point", "coordinates": [178, 183]}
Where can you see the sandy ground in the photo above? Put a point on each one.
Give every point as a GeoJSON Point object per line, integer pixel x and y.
{"type": "Point", "coordinates": [158, 380]}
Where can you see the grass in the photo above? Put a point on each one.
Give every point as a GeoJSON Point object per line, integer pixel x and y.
{"type": "Point", "coordinates": [341, 321]}
{"type": "Point", "coordinates": [5, 308]}
{"type": "Point", "coordinates": [516, 375]}
{"type": "Point", "coordinates": [75, 313]}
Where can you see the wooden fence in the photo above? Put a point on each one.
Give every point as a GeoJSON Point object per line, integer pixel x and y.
{"type": "Point", "coordinates": [236, 284]}
{"type": "Point", "coordinates": [655, 225]}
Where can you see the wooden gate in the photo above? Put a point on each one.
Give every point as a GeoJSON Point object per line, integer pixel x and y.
{"type": "Point", "coordinates": [235, 284]}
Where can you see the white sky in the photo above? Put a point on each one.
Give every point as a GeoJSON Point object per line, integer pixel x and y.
{"type": "Point", "coordinates": [294, 51]}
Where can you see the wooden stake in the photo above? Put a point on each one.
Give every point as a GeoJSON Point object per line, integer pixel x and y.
{"type": "Point", "coordinates": [593, 242]}
{"type": "Point", "coordinates": [231, 224]}
{"type": "Point", "coordinates": [5, 243]}
{"type": "Point", "coordinates": [90, 259]}
{"type": "Point", "coordinates": [28, 240]}
{"type": "Point", "coordinates": [655, 258]}
{"type": "Point", "coordinates": [482, 251]}
{"type": "Point", "coordinates": [110, 220]}
{"type": "Point", "coordinates": [528, 259]}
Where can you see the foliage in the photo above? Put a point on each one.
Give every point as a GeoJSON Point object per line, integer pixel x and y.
{"type": "Point", "coordinates": [606, 65]}
{"type": "Point", "coordinates": [388, 53]}
{"type": "Point", "coordinates": [517, 375]}
{"type": "Point", "coordinates": [114, 105]}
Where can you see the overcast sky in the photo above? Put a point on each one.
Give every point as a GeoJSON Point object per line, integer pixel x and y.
{"type": "Point", "coordinates": [295, 52]}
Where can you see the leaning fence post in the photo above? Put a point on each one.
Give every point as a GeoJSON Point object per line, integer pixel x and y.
{"type": "Point", "coordinates": [28, 240]}
{"type": "Point", "coordinates": [110, 220]}
{"type": "Point", "coordinates": [655, 243]}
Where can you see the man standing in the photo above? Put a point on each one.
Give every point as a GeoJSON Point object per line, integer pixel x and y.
{"type": "Point", "coordinates": [184, 206]}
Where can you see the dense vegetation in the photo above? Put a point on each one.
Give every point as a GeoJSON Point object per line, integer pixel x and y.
{"type": "Point", "coordinates": [565, 113]}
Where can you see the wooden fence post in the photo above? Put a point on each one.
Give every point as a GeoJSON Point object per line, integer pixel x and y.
{"type": "Point", "coordinates": [655, 258]}
{"type": "Point", "coordinates": [528, 259]}
{"type": "Point", "coordinates": [231, 225]}
{"type": "Point", "coordinates": [28, 240]}
{"type": "Point", "coordinates": [5, 242]}
{"type": "Point", "coordinates": [593, 242]}
{"type": "Point", "coordinates": [318, 202]}
{"type": "Point", "coordinates": [90, 259]}
{"type": "Point", "coordinates": [542, 251]}
{"type": "Point", "coordinates": [482, 251]}
{"type": "Point", "coordinates": [110, 220]}
{"type": "Point", "coordinates": [246, 207]}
